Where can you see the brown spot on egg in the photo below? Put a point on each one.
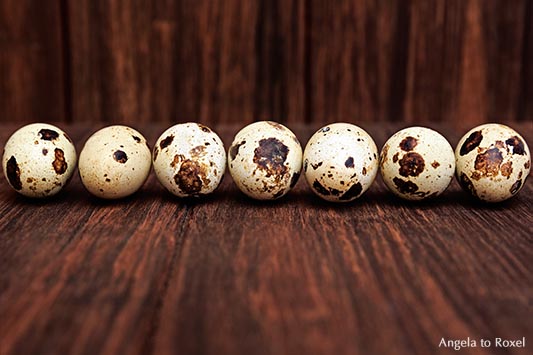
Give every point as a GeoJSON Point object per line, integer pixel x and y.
{"type": "Point", "coordinates": [48, 134]}
{"type": "Point", "coordinates": [320, 189]}
{"type": "Point", "coordinates": [405, 187]}
{"type": "Point", "coordinates": [473, 140]}
{"type": "Point", "coordinates": [198, 151]}
{"type": "Point", "coordinates": [411, 164]}
{"type": "Point", "coordinates": [137, 139]}
{"type": "Point", "coordinates": [275, 125]}
{"type": "Point", "coordinates": [45, 151]}
{"type": "Point", "coordinates": [435, 164]}
{"type": "Point", "coordinates": [270, 156]}
{"type": "Point", "coordinates": [516, 186]}
{"type": "Point", "coordinates": [107, 180]}
{"type": "Point", "coordinates": [408, 143]}
{"type": "Point", "coordinates": [475, 175]}
{"type": "Point", "coordinates": [59, 163]}
{"type": "Point", "coordinates": [191, 176]}
{"type": "Point", "coordinates": [349, 162]}
{"type": "Point", "coordinates": [324, 129]}
{"type": "Point", "coordinates": [234, 150]}
{"type": "Point", "coordinates": [166, 142]}
{"type": "Point", "coordinates": [395, 157]}
{"type": "Point", "coordinates": [516, 143]}
{"type": "Point", "coordinates": [317, 165]}
{"type": "Point", "coordinates": [176, 160]}
{"type": "Point", "coordinates": [527, 164]}
{"type": "Point", "coordinates": [204, 128]}
{"type": "Point", "coordinates": [507, 169]}
{"type": "Point", "coordinates": [29, 180]}
{"type": "Point", "coordinates": [383, 154]}
{"type": "Point", "coordinates": [156, 152]}
{"type": "Point", "coordinates": [120, 156]}
{"type": "Point", "coordinates": [488, 163]}
{"type": "Point", "coordinates": [467, 184]}
{"type": "Point", "coordinates": [364, 170]}
{"type": "Point", "coordinates": [294, 179]}
{"type": "Point", "coordinates": [354, 191]}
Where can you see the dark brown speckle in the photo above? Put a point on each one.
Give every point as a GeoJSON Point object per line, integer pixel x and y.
{"type": "Point", "coordinates": [354, 191]}
{"type": "Point", "coordinates": [59, 163]}
{"type": "Point", "coordinates": [270, 156]}
{"type": "Point", "coordinates": [234, 150]}
{"type": "Point", "coordinates": [48, 134]}
{"type": "Point", "coordinates": [349, 162]}
{"type": "Point", "coordinates": [191, 177]}
{"type": "Point", "coordinates": [294, 179]}
{"type": "Point", "coordinates": [411, 164]}
{"type": "Point", "coordinates": [320, 189]}
{"type": "Point", "coordinates": [408, 144]}
{"type": "Point", "coordinates": [166, 142]}
{"type": "Point", "coordinates": [516, 186]}
{"type": "Point", "coordinates": [405, 187]}
{"type": "Point", "coordinates": [516, 143]}
{"type": "Point", "coordinates": [488, 163]}
{"type": "Point", "coordinates": [120, 156]}
{"type": "Point", "coordinates": [467, 184]}
{"type": "Point", "coordinates": [471, 142]}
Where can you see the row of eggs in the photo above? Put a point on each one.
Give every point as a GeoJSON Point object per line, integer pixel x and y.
{"type": "Point", "coordinates": [265, 160]}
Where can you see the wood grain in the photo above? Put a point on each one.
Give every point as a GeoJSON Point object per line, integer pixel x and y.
{"type": "Point", "coordinates": [236, 61]}
{"type": "Point", "coordinates": [153, 274]}
{"type": "Point", "coordinates": [31, 62]}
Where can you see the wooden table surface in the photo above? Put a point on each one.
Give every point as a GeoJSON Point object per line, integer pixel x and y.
{"type": "Point", "coordinates": [153, 274]}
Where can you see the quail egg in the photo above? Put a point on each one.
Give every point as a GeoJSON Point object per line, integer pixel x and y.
{"type": "Point", "coordinates": [493, 162]}
{"type": "Point", "coordinates": [39, 160]}
{"type": "Point", "coordinates": [417, 163]}
{"type": "Point", "coordinates": [340, 162]}
{"type": "Point", "coordinates": [265, 160]}
{"type": "Point", "coordinates": [115, 162]}
{"type": "Point", "coordinates": [189, 160]}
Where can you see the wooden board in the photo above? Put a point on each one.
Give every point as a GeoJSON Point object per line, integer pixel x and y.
{"type": "Point", "coordinates": [32, 66]}
{"type": "Point", "coordinates": [153, 274]}
{"type": "Point", "coordinates": [235, 61]}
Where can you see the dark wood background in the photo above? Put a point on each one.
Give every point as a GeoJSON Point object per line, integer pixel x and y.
{"type": "Point", "coordinates": [242, 60]}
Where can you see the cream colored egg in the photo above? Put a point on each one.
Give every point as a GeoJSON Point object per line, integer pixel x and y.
{"type": "Point", "coordinates": [417, 163]}
{"type": "Point", "coordinates": [189, 160]}
{"type": "Point", "coordinates": [39, 160]}
{"type": "Point", "coordinates": [340, 162]}
{"type": "Point", "coordinates": [493, 162]}
{"type": "Point", "coordinates": [115, 162]}
{"type": "Point", "coordinates": [265, 160]}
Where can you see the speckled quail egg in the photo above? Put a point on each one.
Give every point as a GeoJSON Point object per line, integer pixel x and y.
{"type": "Point", "coordinates": [39, 160]}
{"type": "Point", "coordinates": [189, 160]}
{"type": "Point", "coordinates": [265, 160]}
{"type": "Point", "coordinates": [492, 162]}
{"type": "Point", "coordinates": [340, 162]}
{"type": "Point", "coordinates": [115, 162]}
{"type": "Point", "coordinates": [417, 163]}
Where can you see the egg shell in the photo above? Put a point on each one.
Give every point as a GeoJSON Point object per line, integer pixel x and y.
{"type": "Point", "coordinates": [114, 162]}
{"type": "Point", "coordinates": [265, 160]}
{"type": "Point", "coordinates": [492, 162]}
{"type": "Point", "coordinates": [39, 160]}
{"type": "Point", "coordinates": [189, 160]}
{"type": "Point", "coordinates": [340, 162]}
{"type": "Point", "coordinates": [417, 163]}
